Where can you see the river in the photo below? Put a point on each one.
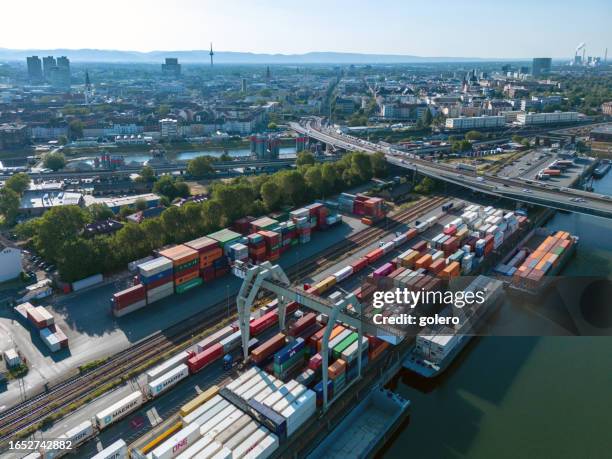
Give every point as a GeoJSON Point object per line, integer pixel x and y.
{"type": "Point", "coordinates": [522, 397]}
{"type": "Point", "coordinates": [285, 152]}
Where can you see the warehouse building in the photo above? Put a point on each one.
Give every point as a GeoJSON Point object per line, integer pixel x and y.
{"type": "Point", "coordinates": [10, 263]}
{"type": "Point", "coordinates": [475, 122]}
{"type": "Point", "coordinates": [528, 119]}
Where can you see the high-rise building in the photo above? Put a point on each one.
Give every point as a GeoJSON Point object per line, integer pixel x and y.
{"type": "Point", "coordinates": [168, 128]}
{"type": "Point", "coordinates": [171, 67]}
{"type": "Point", "coordinates": [34, 69]}
{"type": "Point", "coordinates": [540, 66]}
{"type": "Point", "coordinates": [48, 63]}
{"type": "Point", "coordinates": [243, 86]}
{"type": "Point", "coordinates": [59, 75]}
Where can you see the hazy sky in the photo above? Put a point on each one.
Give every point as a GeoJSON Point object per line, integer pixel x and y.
{"type": "Point", "coordinates": [465, 28]}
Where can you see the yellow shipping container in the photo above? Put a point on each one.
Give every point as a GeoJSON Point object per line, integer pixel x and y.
{"type": "Point", "coordinates": [199, 400]}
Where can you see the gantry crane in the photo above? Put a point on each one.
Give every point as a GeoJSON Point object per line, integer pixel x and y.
{"type": "Point", "coordinates": [273, 278]}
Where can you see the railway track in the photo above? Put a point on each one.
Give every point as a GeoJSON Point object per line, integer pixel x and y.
{"type": "Point", "coordinates": [78, 388]}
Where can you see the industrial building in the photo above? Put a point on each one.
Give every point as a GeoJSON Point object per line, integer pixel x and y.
{"type": "Point", "coordinates": [528, 119]}
{"type": "Point", "coordinates": [540, 66]}
{"type": "Point", "coordinates": [475, 122]}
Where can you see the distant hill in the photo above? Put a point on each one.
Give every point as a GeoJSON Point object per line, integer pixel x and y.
{"type": "Point", "coordinates": [227, 57]}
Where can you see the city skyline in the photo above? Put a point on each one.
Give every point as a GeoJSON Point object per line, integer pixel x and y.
{"type": "Point", "coordinates": [388, 27]}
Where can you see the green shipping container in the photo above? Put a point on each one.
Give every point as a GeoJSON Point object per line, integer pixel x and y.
{"type": "Point", "coordinates": [289, 363]}
{"type": "Point", "coordinates": [342, 345]}
{"type": "Point", "coordinates": [184, 266]}
{"type": "Point", "coordinates": [225, 236]}
{"type": "Point", "coordinates": [188, 285]}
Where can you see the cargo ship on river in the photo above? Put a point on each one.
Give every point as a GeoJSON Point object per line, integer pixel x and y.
{"type": "Point", "coordinates": [537, 271]}
{"type": "Point", "coordinates": [436, 348]}
{"type": "Point", "coordinates": [602, 169]}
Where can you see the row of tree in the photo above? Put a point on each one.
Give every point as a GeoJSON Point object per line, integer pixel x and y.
{"type": "Point", "coordinates": [57, 235]}
{"type": "Point", "coordinates": [10, 196]}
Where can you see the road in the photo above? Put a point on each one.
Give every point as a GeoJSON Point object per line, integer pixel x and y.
{"type": "Point", "coordinates": [517, 189]}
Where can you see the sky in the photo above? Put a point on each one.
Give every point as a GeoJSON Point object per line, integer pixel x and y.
{"type": "Point", "coordinates": [434, 28]}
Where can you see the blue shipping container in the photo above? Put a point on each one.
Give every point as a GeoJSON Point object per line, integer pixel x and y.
{"type": "Point", "coordinates": [160, 275]}
{"type": "Point", "coordinates": [288, 351]}
{"type": "Point", "coordinates": [276, 423]}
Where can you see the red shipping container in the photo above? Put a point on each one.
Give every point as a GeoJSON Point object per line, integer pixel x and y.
{"type": "Point", "coordinates": [129, 296]}
{"type": "Point", "coordinates": [452, 229]}
{"type": "Point", "coordinates": [208, 274]}
{"type": "Point", "coordinates": [302, 324]}
{"type": "Point", "coordinates": [374, 255]}
{"type": "Point", "coordinates": [205, 358]}
{"type": "Point", "coordinates": [315, 362]}
{"type": "Point", "coordinates": [359, 264]}
{"type": "Point", "coordinates": [156, 283]}
{"type": "Point", "coordinates": [411, 233]}
{"type": "Point", "coordinates": [437, 266]}
{"type": "Point", "coordinates": [420, 246]}
{"type": "Point", "coordinates": [262, 323]}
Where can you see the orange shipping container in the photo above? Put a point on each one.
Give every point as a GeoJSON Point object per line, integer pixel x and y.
{"type": "Point", "coordinates": [336, 369]}
{"type": "Point", "coordinates": [376, 352]}
{"type": "Point", "coordinates": [187, 277]}
{"type": "Point", "coordinates": [179, 254]}
{"type": "Point", "coordinates": [335, 332]}
{"type": "Point", "coordinates": [451, 270]}
{"type": "Point", "coordinates": [423, 262]}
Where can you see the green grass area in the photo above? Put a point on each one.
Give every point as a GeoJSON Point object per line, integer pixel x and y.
{"type": "Point", "coordinates": [18, 372]}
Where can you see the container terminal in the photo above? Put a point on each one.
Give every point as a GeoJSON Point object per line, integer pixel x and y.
{"type": "Point", "coordinates": [299, 366]}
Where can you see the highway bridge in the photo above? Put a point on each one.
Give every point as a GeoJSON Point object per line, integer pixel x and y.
{"type": "Point", "coordinates": [219, 166]}
{"type": "Point", "coordinates": [526, 191]}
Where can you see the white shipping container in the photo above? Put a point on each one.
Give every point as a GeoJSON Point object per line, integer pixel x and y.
{"type": "Point", "coordinates": [261, 386]}
{"type": "Point", "coordinates": [152, 267]}
{"type": "Point", "coordinates": [117, 450]}
{"type": "Point", "coordinates": [350, 353]}
{"type": "Point", "coordinates": [131, 308]}
{"type": "Point", "coordinates": [158, 293]}
{"type": "Point", "coordinates": [177, 443]}
{"type": "Point", "coordinates": [202, 415]}
{"type": "Point", "coordinates": [243, 448]}
{"type": "Point", "coordinates": [80, 433]}
{"type": "Point", "coordinates": [224, 453]}
{"type": "Point", "coordinates": [242, 378]}
{"type": "Point", "coordinates": [87, 282]}
{"type": "Point", "coordinates": [289, 398]}
{"type": "Point", "coordinates": [232, 430]}
{"type": "Point", "coordinates": [240, 436]}
{"type": "Point", "coordinates": [204, 448]}
{"type": "Point", "coordinates": [437, 255]}
{"type": "Point", "coordinates": [387, 246]}
{"type": "Point", "coordinates": [299, 411]}
{"type": "Point", "coordinates": [170, 379]}
{"type": "Point", "coordinates": [34, 455]}
{"type": "Point", "coordinates": [119, 409]}
{"type": "Point", "coordinates": [280, 393]}
{"type": "Point", "coordinates": [264, 448]}
{"type": "Point", "coordinates": [168, 365]}
{"type": "Point", "coordinates": [215, 338]}
{"type": "Point", "coordinates": [231, 342]}
{"type": "Point", "coordinates": [215, 420]}
{"type": "Point", "coordinates": [343, 273]}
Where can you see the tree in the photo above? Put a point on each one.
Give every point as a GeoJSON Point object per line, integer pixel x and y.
{"type": "Point", "coordinates": [200, 167]}
{"type": "Point", "coordinates": [58, 226]}
{"type": "Point", "coordinates": [427, 117]}
{"type": "Point", "coordinates": [271, 195]}
{"type": "Point", "coordinates": [361, 166]}
{"type": "Point", "coordinates": [378, 164]}
{"type": "Point", "coordinates": [473, 135]}
{"type": "Point", "coordinates": [305, 158]}
{"type": "Point", "coordinates": [140, 204]}
{"type": "Point", "coordinates": [292, 185]}
{"type": "Point", "coordinates": [517, 138]}
{"type": "Point", "coordinates": [99, 212]}
{"type": "Point", "coordinates": [272, 126]}
{"type": "Point", "coordinates": [147, 174]}
{"type": "Point", "coordinates": [18, 183]}
{"type": "Point", "coordinates": [63, 140]}
{"type": "Point", "coordinates": [54, 161]}
{"type": "Point", "coordinates": [330, 178]}
{"type": "Point", "coordinates": [461, 146]}
{"type": "Point", "coordinates": [168, 186]}
{"type": "Point", "coordinates": [9, 204]}
{"type": "Point", "coordinates": [314, 179]}
{"type": "Point", "coordinates": [75, 129]}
